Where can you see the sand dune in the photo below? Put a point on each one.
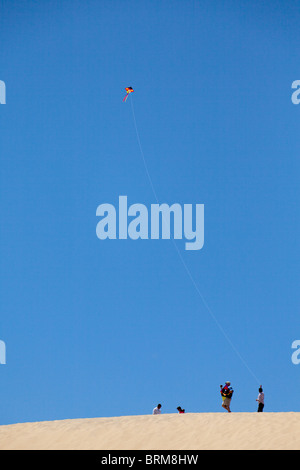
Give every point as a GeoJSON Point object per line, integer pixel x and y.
{"type": "Point", "coordinates": [192, 431]}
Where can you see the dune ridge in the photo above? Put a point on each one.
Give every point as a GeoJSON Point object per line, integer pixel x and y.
{"type": "Point", "coordinates": [191, 431]}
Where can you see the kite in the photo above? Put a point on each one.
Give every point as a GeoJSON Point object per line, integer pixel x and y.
{"type": "Point", "coordinates": [128, 90]}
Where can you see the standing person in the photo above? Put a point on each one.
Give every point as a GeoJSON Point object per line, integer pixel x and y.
{"type": "Point", "coordinates": [157, 410]}
{"type": "Point", "coordinates": [226, 393]}
{"type": "Point", "coordinates": [261, 400]}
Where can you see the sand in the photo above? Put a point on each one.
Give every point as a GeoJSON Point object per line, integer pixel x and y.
{"type": "Point", "coordinates": [191, 431]}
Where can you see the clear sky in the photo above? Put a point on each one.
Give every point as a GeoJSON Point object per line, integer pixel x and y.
{"type": "Point", "coordinates": [107, 328]}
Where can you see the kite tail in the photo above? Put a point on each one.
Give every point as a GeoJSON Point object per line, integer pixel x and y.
{"type": "Point", "coordinates": [125, 98]}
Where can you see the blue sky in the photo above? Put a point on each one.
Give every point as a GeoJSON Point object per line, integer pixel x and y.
{"type": "Point", "coordinates": [107, 328]}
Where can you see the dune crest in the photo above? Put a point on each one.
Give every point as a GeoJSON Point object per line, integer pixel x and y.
{"type": "Point", "coordinates": [192, 431]}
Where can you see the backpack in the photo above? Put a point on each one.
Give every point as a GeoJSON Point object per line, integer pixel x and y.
{"type": "Point", "coordinates": [226, 391]}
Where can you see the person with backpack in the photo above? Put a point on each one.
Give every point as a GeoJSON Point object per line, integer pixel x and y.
{"type": "Point", "coordinates": [226, 393]}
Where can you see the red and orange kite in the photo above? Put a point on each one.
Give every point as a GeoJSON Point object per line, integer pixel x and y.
{"type": "Point", "coordinates": [128, 91]}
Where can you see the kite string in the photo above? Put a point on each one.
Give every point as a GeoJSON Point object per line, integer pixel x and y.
{"type": "Point", "coordinates": [185, 265]}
